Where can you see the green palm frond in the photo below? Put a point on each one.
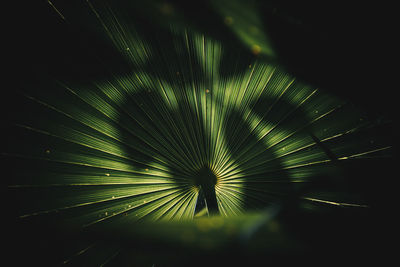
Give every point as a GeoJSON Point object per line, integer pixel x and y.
{"type": "Point", "coordinates": [144, 136]}
{"type": "Point", "coordinates": [182, 133]}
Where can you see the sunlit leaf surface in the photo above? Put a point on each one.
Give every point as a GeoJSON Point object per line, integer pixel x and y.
{"type": "Point", "coordinates": [187, 122]}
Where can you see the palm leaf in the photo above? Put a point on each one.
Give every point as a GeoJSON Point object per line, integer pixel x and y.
{"type": "Point", "coordinates": [173, 137]}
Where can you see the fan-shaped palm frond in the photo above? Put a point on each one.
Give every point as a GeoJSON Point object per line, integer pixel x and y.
{"type": "Point", "coordinates": [174, 137]}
